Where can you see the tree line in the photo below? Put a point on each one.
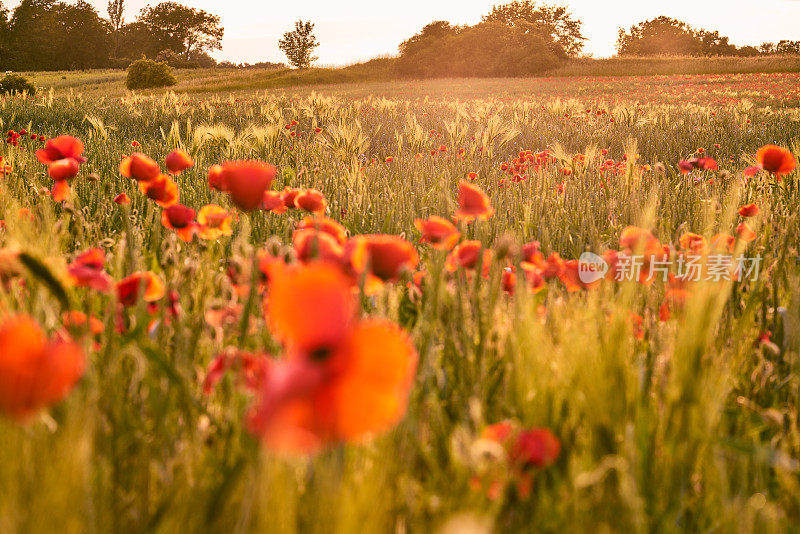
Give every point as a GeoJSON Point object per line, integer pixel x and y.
{"type": "Point", "coordinates": [519, 38]}
{"type": "Point", "coordinates": [55, 35]}
{"type": "Point", "coordinates": [668, 36]}
{"type": "Point", "coordinates": [523, 38]}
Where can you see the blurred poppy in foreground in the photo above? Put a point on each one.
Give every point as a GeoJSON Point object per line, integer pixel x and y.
{"type": "Point", "coordinates": [776, 159]}
{"type": "Point", "coordinates": [472, 203]}
{"type": "Point", "coordinates": [61, 147]}
{"type": "Point", "coordinates": [246, 181]}
{"type": "Point", "coordinates": [342, 379]}
{"type": "Point", "coordinates": [34, 372]}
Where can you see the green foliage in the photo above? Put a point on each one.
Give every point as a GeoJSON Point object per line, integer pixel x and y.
{"type": "Point", "coordinates": [299, 44]}
{"type": "Point", "coordinates": [16, 83]}
{"type": "Point", "coordinates": [671, 37]}
{"type": "Point", "coordinates": [145, 74]}
{"type": "Point", "coordinates": [554, 21]}
{"type": "Point", "coordinates": [182, 29]}
{"type": "Point", "coordinates": [487, 49]}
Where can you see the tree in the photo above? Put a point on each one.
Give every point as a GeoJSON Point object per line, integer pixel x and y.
{"type": "Point", "coordinates": [80, 23]}
{"type": "Point", "coordinates": [659, 36]}
{"type": "Point", "coordinates": [299, 44]}
{"type": "Point", "coordinates": [554, 21]}
{"type": "Point", "coordinates": [486, 49]}
{"type": "Point", "coordinates": [4, 38]}
{"type": "Point", "coordinates": [115, 9]}
{"type": "Point", "coordinates": [181, 29]}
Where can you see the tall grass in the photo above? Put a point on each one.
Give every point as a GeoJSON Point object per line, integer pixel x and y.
{"type": "Point", "coordinates": [693, 427]}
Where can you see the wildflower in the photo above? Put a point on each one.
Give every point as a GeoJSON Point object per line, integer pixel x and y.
{"type": "Point", "coordinates": [144, 284]}
{"type": "Point", "coordinates": [472, 203]}
{"type": "Point", "coordinates": [384, 256]}
{"type": "Point", "coordinates": [87, 270]}
{"type": "Point", "coordinates": [246, 181]}
{"type": "Point", "coordinates": [181, 219]}
{"type": "Point", "coordinates": [122, 199]}
{"type": "Point", "coordinates": [744, 232]}
{"type": "Point", "coordinates": [343, 379]}
{"type": "Point", "coordinates": [748, 210]}
{"type": "Point", "coordinates": [311, 200]}
{"type": "Point", "coordinates": [162, 189]}
{"type": "Point", "coordinates": [61, 147]}
{"type": "Point", "coordinates": [467, 255]}
{"type": "Point", "coordinates": [438, 231]}
{"type": "Point", "coordinates": [775, 159]}
{"type": "Point", "coordinates": [273, 201]}
{"type": "Point", "coordinates": [34, 372]}
{"type": "Point", "coordinates": [213, 222]}
{"type": "Point", "coordinates": [178, 161]}
{"type": "Point", "coordinates": [139, 167]}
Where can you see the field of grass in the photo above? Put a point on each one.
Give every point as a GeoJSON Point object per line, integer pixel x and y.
{"type": "Point", "coordinates": [202, 81]}
{"type": "Point", "coordinates": [646, 404]}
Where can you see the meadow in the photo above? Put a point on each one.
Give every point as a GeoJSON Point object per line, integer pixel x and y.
{"type": "Point", "coordinates": [389, 331]}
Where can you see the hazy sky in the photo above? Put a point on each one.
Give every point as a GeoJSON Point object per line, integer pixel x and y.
{"type": "Point", "coordinates": [354, 30]}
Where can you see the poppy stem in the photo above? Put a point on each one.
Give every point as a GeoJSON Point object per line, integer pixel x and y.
{"type": "Point", "coordinates": [244, 326]}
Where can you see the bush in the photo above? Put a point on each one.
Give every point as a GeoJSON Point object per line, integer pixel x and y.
{"type": "Point", "coordinates": [16, 83]}
{"type": "Point", "coordinates": [145, 73]}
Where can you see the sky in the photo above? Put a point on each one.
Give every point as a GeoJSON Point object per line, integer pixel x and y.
{"type": "Point", "coordinates": [350, 31]}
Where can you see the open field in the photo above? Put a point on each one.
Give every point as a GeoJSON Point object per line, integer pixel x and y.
{"type": "Point", "coordinates": [647, 400]}
{"type": "Point", "coordinates": [112, 82]}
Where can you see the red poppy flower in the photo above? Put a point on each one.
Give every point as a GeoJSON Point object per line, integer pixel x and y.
{"type": "Point", "coordinates": [310, 308]}
{"type": "Point", "coordinates": [61, 147]}
{"type": "Point", "coordinates": [311, 200]}
{"type": "Point", "coordinates": [693, 242]}
{"type": "Point", "coordinates": [325, 224]}
{"type": "Point", "coordinates": [385, 256]}
{"type": "Point", "coordinates": [311, 244]}
{"type": "Point", "coordinates": [674, 301]}
{"type": "Point", "coordinates": [273, 201]}
{"type": "Point", "coordinates": [181, 219]}
{"type": "Point", "coordinates": [745, 233]}
{"type": "Point", "coordinates": [289, 195]}
{"type": "Point", "coordinates": [87, 270]}
{"type": "Point", "coordinates": [122, 199]}
{"type": "Point", "coordinates": [723, 242]}
{"type": "Point", "coordinates": [438, 231]}
{"type": "Point", "coordinates": [472, 203]}
{"type": "Point", "coordinates": [139, 167]}
{"type": "Point", "coordinates": [162, 189]}
{"type": "Point", "coordinates": [246, 182]}
{"type": "Point", "coordinates": [640, 241]}
{"type": "Point", "coordinates": [216, 179]}
{"type": "Point", "coordinates": [466, 255]}
{"type": "Point", "coordinates": [748, 210]}
{"type": "Point", "coordinates": [63, 169]}
{"type": "Point", "coordinates": [252, 369]}
{"type": "Point", "coordinates": [34, 372]}
{"type": "Point", "coordinates": [776, 159]}
{"type": "Point", "coordinates": [343, 379]}
{"type": "Point", "coordinates": [537, 447]}
{"type": "Point", "coordinates": [178, 161]}
{"type": "Point", "coordinates": [214, 222]}
{"type": "Point", "coordinates": [143, 283]}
